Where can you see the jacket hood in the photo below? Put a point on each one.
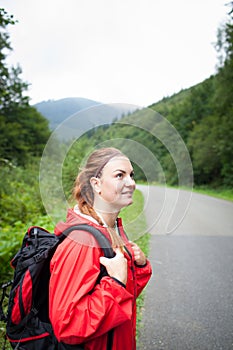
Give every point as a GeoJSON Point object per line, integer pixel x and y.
{"type": "Point", "coordinates": [74, 218]}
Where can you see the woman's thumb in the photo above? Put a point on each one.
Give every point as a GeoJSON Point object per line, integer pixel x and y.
{"type": "Point", "coordinates": [103, 260]}
{"type": "Point", "coordinates": [118, 251]}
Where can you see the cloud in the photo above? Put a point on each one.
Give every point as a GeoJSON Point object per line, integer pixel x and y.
{"type": "Point", "coordinates": [131, 51]}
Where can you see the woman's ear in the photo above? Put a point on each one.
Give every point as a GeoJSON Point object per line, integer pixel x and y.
{"type": "Point", "coordinates": [95, 184]}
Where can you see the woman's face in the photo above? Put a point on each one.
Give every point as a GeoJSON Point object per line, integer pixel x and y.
{"type": "Point", "coordinates": [116, 184]}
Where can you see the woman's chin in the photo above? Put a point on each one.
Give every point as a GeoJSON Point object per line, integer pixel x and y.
{"type": "Point", "coordinates": [127, 203]}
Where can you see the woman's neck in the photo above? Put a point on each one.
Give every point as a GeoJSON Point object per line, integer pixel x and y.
{"type": "Point", "coordinates": [109, 219]}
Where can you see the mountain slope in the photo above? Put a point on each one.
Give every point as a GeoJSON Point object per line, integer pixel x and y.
{"type": "Point", "coordinates": [56, 111]}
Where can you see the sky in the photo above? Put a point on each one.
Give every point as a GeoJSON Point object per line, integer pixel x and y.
{"type": "Point", "coordinates": [126, 51]}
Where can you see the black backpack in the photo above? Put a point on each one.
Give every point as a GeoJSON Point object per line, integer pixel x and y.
{"type": "Point", "coordinates": [33, 330]}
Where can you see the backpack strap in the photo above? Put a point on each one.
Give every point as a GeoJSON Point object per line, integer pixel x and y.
{"type": "Point", "coordinates": [104, 243]}
{"type": "Point", "coordinates": [99, 236]}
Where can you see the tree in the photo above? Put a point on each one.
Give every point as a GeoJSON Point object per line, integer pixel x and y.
{"type": "Point", "coordinates": [205, 156]}
{"type": "Point", "coordinates": [224, 79]}
{"type": "Point", "coordinates": [24, 131]}
{"type": "Point", "coordinates": [11, 86]}
{"type": "Point", "coordinates": [224, 98]}
{"type": "Point", "coordinates": [210, 142]}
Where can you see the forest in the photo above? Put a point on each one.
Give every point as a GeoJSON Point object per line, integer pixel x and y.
{"type": "Point", "coordinates": [199, 118]}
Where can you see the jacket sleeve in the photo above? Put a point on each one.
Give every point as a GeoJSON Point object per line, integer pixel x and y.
{"type": "Point", "coordinates": [143, 274]}
{"type": "Point", "coordinates": [80, 309]}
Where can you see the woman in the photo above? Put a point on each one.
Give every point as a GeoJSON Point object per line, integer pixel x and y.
{"type": "Point", "coordinates": [98, 315]}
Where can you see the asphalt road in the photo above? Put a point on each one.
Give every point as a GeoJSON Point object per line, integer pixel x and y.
{"type": "Point", "coordinates": [189, 300]}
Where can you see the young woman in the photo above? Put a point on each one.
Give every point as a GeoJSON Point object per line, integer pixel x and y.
{"type": "Point", "coordinates": [86, 314]}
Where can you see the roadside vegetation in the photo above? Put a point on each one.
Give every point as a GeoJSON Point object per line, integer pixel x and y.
{"type": "Point", "coordinates": [221, 193]}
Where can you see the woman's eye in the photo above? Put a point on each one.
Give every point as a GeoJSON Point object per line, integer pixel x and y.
{"type": "Point", "coordinates": [119, 175]}
{"type": "Point", "coordinates": [132, 175]}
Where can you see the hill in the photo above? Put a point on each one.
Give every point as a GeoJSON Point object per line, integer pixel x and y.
{"type": "Point", "coordinates": [56, 111]}
{"type": "Point", "coordinates": [71, 117]}
{"type": "Point", "coordinates": [195, 124]}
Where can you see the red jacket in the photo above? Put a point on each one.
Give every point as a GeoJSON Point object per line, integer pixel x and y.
{"type": "Point", "coordinates": [80, 310]}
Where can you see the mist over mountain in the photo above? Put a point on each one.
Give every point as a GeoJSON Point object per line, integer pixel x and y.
{"type": "Point", "coordinates": [70, 117]}
{"type": "Point", "coordinates": [56, 111]}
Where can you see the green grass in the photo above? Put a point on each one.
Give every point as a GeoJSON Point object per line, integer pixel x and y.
{"type": "Point", "coordinates": [222, 193]}
{"type": "Point", "coordinates": [133, 217]}
{"type": "Point", "coordinates": [144, 243]}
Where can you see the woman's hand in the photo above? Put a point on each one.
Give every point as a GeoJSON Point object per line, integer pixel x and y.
{"type": "Point", "coordinates": [139, 256]}
{"type": "Point", "coordinates": [116, 267]}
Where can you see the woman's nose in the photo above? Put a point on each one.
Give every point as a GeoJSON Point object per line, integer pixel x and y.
{"type": "Point", "coordinates": [129, 181]}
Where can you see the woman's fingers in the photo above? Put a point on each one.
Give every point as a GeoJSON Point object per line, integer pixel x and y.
{"type": "Point", "coordinates": [117, 266]}
{"type": "Point", "coordinates": [139, 256]}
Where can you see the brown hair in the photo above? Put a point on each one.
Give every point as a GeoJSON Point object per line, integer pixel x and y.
{"type": "Point", "coordinates": [83, 192]}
